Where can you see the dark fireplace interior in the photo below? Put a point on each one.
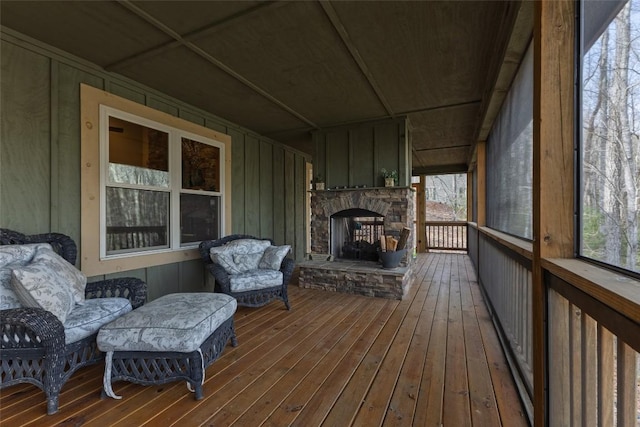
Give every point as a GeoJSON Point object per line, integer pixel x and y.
{"type": "Point", "coordinates": [355, 234]}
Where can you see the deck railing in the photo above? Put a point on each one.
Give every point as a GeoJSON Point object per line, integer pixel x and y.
{"type": "Point", "coordinates": [594, 362]}
{"type": "Point", "coordinates": [446, 235]}
{"type": "Point", "coordinates": [122, 238]}
{"type": "Point", "coordinates": [505, 276]}
{"type": "Point", "coordinates": [592, 335]}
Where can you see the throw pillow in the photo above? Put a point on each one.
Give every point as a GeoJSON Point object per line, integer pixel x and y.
{"type": "Point", "coordinates": [224, 257]}
{"type": "Point", "coordinates": [246, 262]}
{"type": "Point", "coordinates": [13, 256]}
{"type": "Point", "coordinates": [36, 285]}
{"type": "Point", "coordinates": [8, 297]}
{"type": "Point", "coordinates": [18, 254]}
{"type": "Point", "coordinates": [74, 279]}
{"type": "Point", "coordinates": [273, 256]}
{"type": "Point", "coordinates": [247, 246]}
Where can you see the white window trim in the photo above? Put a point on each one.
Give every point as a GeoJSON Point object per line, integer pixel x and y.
{"type": "Point", "coordinates": [93, 260]}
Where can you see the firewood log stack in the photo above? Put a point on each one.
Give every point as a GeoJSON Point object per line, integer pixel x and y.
{"type": "Point", "coordinates": [391, 244]}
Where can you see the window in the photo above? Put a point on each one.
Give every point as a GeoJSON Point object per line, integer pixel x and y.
{"type": "Point", "coordinates": [144, 193]}
{"type": "Point", "coordinates": [153, 185]}
{"type": "Point", "coordinates": [609, 142]}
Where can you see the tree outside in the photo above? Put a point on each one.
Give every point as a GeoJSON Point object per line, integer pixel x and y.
{"type": "Point", "coordinates": [446, 197]}
{"type": "Point", "coordinates": [610, 143]}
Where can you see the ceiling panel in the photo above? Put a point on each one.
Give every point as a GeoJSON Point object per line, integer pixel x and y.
{"type": "Point", "coordinates": [185, 75]}
{"type": "Point", "coordinates": [292, 66]}
{"type": "Point", "coordinates": [434, 53]}
{"type": "Point", "coordinates": [295, 54]}
{"type": "Point", "coordinates": [100, 32]}
{"type": "Point", "coordinates": [444, 127]}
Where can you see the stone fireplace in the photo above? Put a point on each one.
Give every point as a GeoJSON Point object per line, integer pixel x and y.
{"type": "Point", "coordinates": [347, 224]}
{"type": "Point", "coordinates": [333, 213]}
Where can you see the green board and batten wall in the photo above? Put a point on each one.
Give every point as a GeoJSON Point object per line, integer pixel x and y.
{"type": "Point", "coordinates": [40, 157]}
{"type": "Point", "coordinates": [353, 156]}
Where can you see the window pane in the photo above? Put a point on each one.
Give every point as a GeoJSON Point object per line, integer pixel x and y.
{"type": "Point", "coordinates": [136, 219]}
{"type": "Point", "coordinates": [200, 166]}
{"type": "Point", "coordinates": [199, 218]}
{"type": "Point", "coordinates": [137, 154]}
{"type": "Point", "coordinates": [610, 128]}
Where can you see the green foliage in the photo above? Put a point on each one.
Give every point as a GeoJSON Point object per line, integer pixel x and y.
{"type": "Point", "coordinates": [389, 174]}
{"type": "Point", "coordinates": [592, 238]}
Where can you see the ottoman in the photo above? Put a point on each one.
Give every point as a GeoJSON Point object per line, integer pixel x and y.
{"type": "Point", "coordinates": [175, 337]}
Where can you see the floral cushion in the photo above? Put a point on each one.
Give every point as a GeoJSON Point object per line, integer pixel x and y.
{"type": "Point", "coordinates": [174, 322]}
{"type": "Point", "coordinates": [227, 255]}
{"type": "Point", "coordinates": [273, 256]}
{"type": "Point", "coordinates": [255, 279]}
{"type": "Point", "coordinates": [246, 262]}
{"type": "Point", "coordinates": [65, 272]}
{"type": "Point", "coordinates": [36, 285]}
{"type": "Point", "coordinates": [86, 319]}
{"type": "Point", "coordinates": [13, 256]}
{"type": "Point", "coordinates": [19, 254]}
{"type": "Point", "coordinates": [8, 297]}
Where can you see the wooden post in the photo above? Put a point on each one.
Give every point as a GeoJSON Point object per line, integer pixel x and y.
{"type": "Point", "coordinates": [553, 174]}
{"type": "Point", "coordinates": [421, 227]}
{"type": "Point", "coordinates": [481, 166]}
{"type": "Point", "coordinates": [469, 196]}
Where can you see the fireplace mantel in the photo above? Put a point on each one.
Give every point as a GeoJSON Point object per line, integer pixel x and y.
{"type": "Point", "coordinates": [359, 189]}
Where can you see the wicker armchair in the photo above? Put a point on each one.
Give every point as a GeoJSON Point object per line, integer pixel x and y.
{"type": "Point", "coordinates": [249, 298]}
{"type": "Point", "coordinates": [33, 348]}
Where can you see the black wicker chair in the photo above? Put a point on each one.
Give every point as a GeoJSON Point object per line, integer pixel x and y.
{"type": "Point", "coordinates": [255, 298]}
{"type": "Point", "coordinates": [33, 348]}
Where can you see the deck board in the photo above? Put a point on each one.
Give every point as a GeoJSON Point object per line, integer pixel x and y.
{"type": "Point", "coordinates": [334, 359]}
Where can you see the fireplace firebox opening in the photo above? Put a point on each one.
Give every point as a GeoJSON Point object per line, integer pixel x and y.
{"type": "Point", "coordinates": [355, 234]}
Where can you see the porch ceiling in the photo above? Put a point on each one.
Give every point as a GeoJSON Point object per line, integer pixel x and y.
{"type": "Point", "coordinates": [284, 69]}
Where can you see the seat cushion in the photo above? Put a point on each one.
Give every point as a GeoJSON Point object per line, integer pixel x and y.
{"type": "Point", "coordinates": [86, 319]}
{"type": "Point", "coordinates": [175, 322]}
{"type": "Point", "coordinates": [255, 279]}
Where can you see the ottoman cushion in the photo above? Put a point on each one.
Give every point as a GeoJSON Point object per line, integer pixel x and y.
{"type": "Point", "coordinates": [172, 323]}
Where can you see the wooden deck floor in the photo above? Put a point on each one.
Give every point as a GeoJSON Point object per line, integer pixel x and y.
{"type": "Point", "coordinates": [336, 360]}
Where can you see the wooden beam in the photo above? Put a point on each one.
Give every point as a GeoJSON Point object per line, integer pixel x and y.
{"type": "Point", "coordinates": [436, 170]}
{"type": "Point", "coordinates": [517, 29]}
{"type": "Point", "coordinates": [355, 54]}
{"type": "Point", "coordinates": [553, 174]}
